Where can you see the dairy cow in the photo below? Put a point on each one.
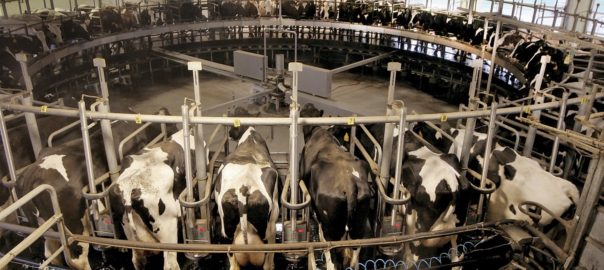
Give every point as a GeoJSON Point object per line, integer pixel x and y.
{"type": "Point", "coordinates": [518, 179]}
{"type": "Point", "coordinates": [338, 185]}
{"type": "Point", "coordinates": [64, 168]}
{"type": "Point", "coordinates": [437, 187]}
{"type": "Point", "coordinates": [246, 196]}
{"type": "Point", "coordinates": [144, 198]}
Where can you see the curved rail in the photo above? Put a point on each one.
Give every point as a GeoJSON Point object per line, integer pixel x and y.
{"type": "Point", "coordinates": [270, 22]}
{"type": "Point", "coordinates": [285, 192]}
{"type": "Point", "coordinates": [288, 247]}
{"type": "Point", "coordinates": [286, 120]}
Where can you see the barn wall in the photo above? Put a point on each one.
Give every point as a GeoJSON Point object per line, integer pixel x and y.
{"type": "Point", "coordinates": [584, 9]}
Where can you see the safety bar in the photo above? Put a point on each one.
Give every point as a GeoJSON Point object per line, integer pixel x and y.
{"type": "Point", "coordinates": [99, 180]}
{"type": "Point", "coordinates": [285, 192]}
{"type": "Point", "coordinates": [57, 218]}
{"type": "Point", "coordinates": [11, 183]}
{"type": "Point", "coordinates": [182, 196]}
{"type": "Point", "coordinates": [381, 189]}
{"type": "Point", "coordinates": [490, 186]}
{"type": "Point", "coordinates": [376, 145]}
{"type": "Point", "coordinates": [511, 129]}
{"type": "Point", "coordinates": [293, 246]}
{"type": "Point", "coordinates": [568, 225]}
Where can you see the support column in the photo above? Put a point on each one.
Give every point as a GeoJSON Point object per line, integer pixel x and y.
{"type": "Point", "coordinates": [295, 68]}
{"type": "Point", "coordinates": [30, 118]}
{"type": "Point", "coordinates": [108, 141]}
{"type": "Point", "coordinates": [470, 122]}
{"type": "Point", "coordinates": [200, 147]}
{"type": "Point", "coordinates": [538, 99]}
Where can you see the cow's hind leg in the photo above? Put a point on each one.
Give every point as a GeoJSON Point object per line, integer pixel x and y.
{"type": "Point", "coordinates": [329, 265]}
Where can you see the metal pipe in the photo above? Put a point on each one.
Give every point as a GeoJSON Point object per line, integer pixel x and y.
{"type": "Point", "coordinates": [591, 193]}
{"type": "Point", "coordinates": [554, 156]}
{"type": "Point", "coordinates": [4, 10]}
{"type": "Point", "coordinates": [399, 155]}
{"type": "Point", "coordinates": [487, 156]}
{"type": "Point", "coordinates": [538, 99]}
{"type": "Point", "coordinates": [298, 246]}
{"type": "Point", "coordinates": [470, 122]}
{"type": "Point", "coordinates": [61, 130]}
{"type": "Point", "coordinates": [295, 206]}
{"type": "Point", "coordinates": [294, 113]}
{"type": "Point", "coordinates": [88, 155]}
{"type": "Point", "coordinates": [56, 218]}
{"type": "Point", "coordinates": [200, 149]}
{"type": "Point", "coordinates": [190, 214]}
{"type": "Point", "coordinates": [32, 126]}
{"type": "Point", "coordinates": [287, 121]}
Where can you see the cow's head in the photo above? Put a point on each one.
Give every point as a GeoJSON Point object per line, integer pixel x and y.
{"type": "Point", "coordinates": [309, 110]}
{"type": "Point", "coordinates": [235, 133]}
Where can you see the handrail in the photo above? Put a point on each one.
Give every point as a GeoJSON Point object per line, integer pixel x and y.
{"type": "Point", "coordinates": [50, 222]}
{"type": "Point", "coordinates": [444, 134]}
{"type": "Point", "coordinates": [285, 192]}
{"type": "Point", "coordinates": [287, 120]}
{"type": "Point", "coordinates": [291, 246]}
{"type": "Point", "coordinates": [376, 144]}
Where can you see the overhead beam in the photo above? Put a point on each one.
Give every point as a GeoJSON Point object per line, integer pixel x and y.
{"type": "Point", "coordinates": [216, 68]}
{"type": "Point", "coordinates": [361, 63]}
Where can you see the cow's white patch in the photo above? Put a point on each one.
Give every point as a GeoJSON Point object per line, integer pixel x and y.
{"type": "Point", "coordinates": [179, 138]}
{"type": "Point", "coordinates": [438, 136]}
{"type": "Point", "coordinates": [531, 183]}
{"type": "Point", "coordinates": [55, 162]}
{"type": "Point", "coordinates": [177, 169]}
{"type": "Point", "coordinates": [325, 212]}
{"type": "Point", "coordinates": [355, 173]}
{"type": "Point", "coordinates": [245, 135]}
{"type": "Point", "coordinates": [435, 170]}
{"type": "Point", "coordinates": [234, 176]}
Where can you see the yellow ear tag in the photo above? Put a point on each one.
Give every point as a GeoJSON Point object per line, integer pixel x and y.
{"type": "Point", "coordinates": [44, 108]}
{"type": "Point", "coordinates": [527, 109]}
{"type": "Point", "coordinates": [443, 118]}
{"type": "Point", "coordinates": [350, 121]}
{"type": "Point", "coordinates": [346, 137]}
{"type": "Point", "coordinates": [584, 100]}
{"type": "Point", "coordinates": [236, 123]}
{"type": "Point", "coordinates": [138, 119]}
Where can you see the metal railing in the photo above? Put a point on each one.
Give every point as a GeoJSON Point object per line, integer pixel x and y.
{"type": "Point", "coordinates": [55, 219]}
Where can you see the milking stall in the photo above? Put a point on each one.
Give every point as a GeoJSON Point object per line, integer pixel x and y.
{"type": "Point", "coordinates": [302, 134]}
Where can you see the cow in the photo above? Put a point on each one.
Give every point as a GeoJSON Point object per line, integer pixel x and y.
{"type": "Point", "coordinates": [521, 179]}
{"type": "Point", "coordinates": [438, 190]}
{"type": "Point", "coordinates": [246, 196]}
{"type": "Point", "coordinates": [517, 178]}
{"type": "Point", "coordinates": [338, 185]}
{"type": "Point", "coordinates": [144, 198]}
{"type": "Point", "coordinates": [64, 168]}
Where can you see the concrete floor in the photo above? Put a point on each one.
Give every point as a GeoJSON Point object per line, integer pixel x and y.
{"type": "Point", "coordinates": [358, 94]}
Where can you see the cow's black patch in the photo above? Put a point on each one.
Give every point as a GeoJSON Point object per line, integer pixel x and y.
{"type": "Point", "coordinates": [143, 212]}
{"type": "Point", "coordinates": [136, 194]}
{"type": "Point", "coordinates": [512, 209]}
{"type": "Point", "coordinates": [509, 171]}
{"type": "Point", "coordinates": [505, 156]}
{"type": "Point", "coordinates": [161, 206]}
{"type": "Point", "coordinates": [76, 250]}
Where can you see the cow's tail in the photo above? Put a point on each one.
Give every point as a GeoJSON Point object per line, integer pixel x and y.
{"type": "Point", "coordinates": [243, 218]}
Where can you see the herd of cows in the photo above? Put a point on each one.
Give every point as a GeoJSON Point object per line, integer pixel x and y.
{"type": "Point", "coordinates": [245, 193]}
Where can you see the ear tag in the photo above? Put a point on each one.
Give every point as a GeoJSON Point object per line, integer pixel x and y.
{"type": "Point", "coordinates": [43, 108]}
{"type": "Point", "coordinates": [236, 123]}
{"type": "Point", "coordinates": [138, 119]}
{"type": "Point", "coordinates": [346, 137]}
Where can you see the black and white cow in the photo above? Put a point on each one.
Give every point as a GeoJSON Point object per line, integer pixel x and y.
{"type": "Point", "coordinates": [246, 196]}
{"type": "Point", "coordinates": [338, 185]}
{"type": "Point", "coordinates": [64, 168]}
{"type": "Point", "coordinates": [521, 179]}
{"type": "Point", "coordinates": [518, 178]}
{"type": "Point", "coordinates": [145, 197]}
{"type": "Point", "coordinates": [437, 187]}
